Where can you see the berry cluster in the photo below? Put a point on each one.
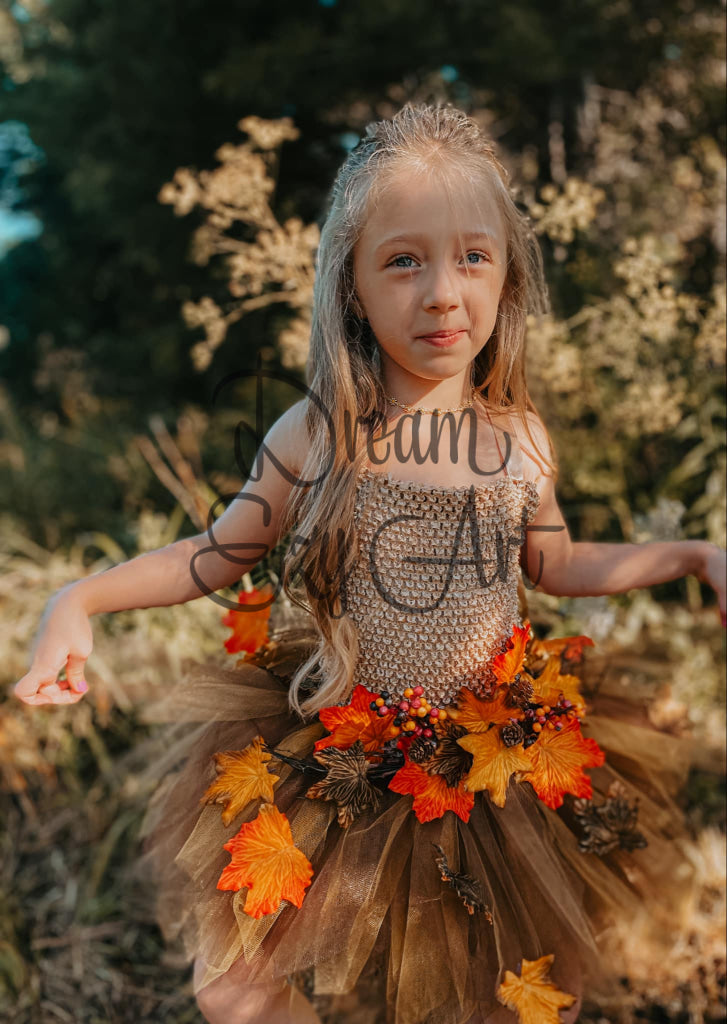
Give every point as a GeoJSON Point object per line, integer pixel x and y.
{"type": "Point", "coordinates": [413, 714]}
{"type": "Point", "coordinates": [542, 716]}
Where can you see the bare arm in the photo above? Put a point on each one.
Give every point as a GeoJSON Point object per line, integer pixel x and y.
{"type": "Point", "coordinates": [209, 561]}
{"type": "Point", "coordinates": [180, 572]}
{"type": "Point", "coordinates": [564, 568]}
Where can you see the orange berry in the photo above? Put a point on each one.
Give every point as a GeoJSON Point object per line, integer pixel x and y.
{"type": "Point", "coordinates": [421, 712]}
{"type": "Point", "coordinates": [442, 714]}
{"type": "Point", "coordinates": [537, 727]}
{"type": "Point", "coordinates": [408, 692]}
{"type": "Point", "coordinates": [395, 730]}
{"type": "Point", "coordinates": [546, 708]}
{"type": "Point", "coordinates": [379, 702]}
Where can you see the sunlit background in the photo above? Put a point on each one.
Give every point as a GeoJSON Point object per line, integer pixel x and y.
{"type": "Point", "coordinates": [163, 173]}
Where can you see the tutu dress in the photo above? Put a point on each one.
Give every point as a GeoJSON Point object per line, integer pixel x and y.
{"type": "Point", "coordinates": [451, 843]}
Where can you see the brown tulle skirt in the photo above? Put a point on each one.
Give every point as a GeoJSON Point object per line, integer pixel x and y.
{"type": "Point", "coordinates": [377, 918]}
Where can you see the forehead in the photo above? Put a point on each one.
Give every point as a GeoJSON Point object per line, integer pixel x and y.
{"type": "Point", "coordinates": [424, 204]}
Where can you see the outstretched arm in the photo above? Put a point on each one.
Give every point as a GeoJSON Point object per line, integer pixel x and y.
{"type": "Point", "coordinates": [180, 572]}
{"type": "Point", "coordinates": [559, 566]}
{"type": "Point", "coordinates": [566, 568]}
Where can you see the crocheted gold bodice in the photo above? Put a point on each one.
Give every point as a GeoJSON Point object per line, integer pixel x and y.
{"type": "Point", "coordinates": [434, 590]}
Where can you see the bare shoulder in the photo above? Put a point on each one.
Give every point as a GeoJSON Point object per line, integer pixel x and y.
{"type": "Point", "coordinates": [533, 442]}
{"type": "Point", "coordinates": [288, 436]}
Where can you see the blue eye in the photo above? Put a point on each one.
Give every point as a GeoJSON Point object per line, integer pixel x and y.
{"type": "Point", "coordinates": [481, 258]}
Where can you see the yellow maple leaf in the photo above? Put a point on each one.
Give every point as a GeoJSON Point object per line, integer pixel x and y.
{"type": "Point", "coordinates": [477, 715]}
{"type": "Point", "coordinates": [535, 999]}
{"type": "Point", "coordinates": [242, 776]}
{"type": "Point", "coordinates": [550, 684]}
{"type": "Point", "coordinates": [493, 763]}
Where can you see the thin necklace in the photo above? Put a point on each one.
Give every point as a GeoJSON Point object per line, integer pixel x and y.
{"type": "Point", "coordinates": [435, 412]}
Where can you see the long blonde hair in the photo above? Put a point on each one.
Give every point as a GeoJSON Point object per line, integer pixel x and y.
{"type": "Point", "coordinates": [342, 370]}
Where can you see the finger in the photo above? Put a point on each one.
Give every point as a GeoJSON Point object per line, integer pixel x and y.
{"type": "Point", "coordinates": [32, 681]}
{"type": "Point", "coordinates": [69, 697]}
{"type": "Point", "coordinates": [34, 700]}
{"type": "Point", "coordinates": [74, 672]}
{"type": "Point", "coordinates": [54, 693]}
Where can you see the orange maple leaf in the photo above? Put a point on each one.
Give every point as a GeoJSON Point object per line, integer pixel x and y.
{"type": "Point", "coordinates": [535, 999]}
{"type": "Point", "coordinates": [493, 763]}
{"type": "Point", "coordinates": [241, 777]}
{"type": "Point", "coordinates": [355, 721]}
{"type": "Point", "coordinates": [249, 627]}
{"type": "Point", "coordinates": [267, 862]}
{"type": "Point", "coordinates": [507, 665]}
{"type": "Point", "coordinates": [558, 760]}
{"type": "Point", "coordinates": [432, 795]}
{"type": "Point", "coordinates": [477, 715]}
{"type": "Point", "coordinates": [571, 647]}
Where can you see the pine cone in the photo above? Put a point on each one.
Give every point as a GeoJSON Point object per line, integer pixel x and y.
{"type": "Point", "coordinates": [520, 692]}
{"type": "Point", "coordinates": [512, 734]}
{"type": "Point", "coordinates": [421, 749]}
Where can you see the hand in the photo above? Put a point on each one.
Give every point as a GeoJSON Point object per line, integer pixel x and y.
{"type": "Point", "coordinates": [714, 572]}
{"type": "Point", "coordinates": [64, 640]}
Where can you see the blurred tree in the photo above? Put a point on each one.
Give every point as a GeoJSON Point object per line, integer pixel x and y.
{"type": "Point", "coordinates": [118, 96]}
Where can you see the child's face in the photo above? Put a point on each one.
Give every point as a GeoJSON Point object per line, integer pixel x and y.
{"type": "Point", "coordinates": [430, 261]}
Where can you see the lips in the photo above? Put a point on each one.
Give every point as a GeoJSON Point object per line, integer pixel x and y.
{"type": "Point", "coordinates": [441, 338]}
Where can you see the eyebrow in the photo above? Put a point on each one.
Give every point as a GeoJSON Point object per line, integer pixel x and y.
{"type": "Point", "coordinates": [467, 236]}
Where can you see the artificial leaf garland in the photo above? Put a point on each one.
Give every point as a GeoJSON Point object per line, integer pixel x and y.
{"type": "Point", "coordinates": [242, 776]}
{"type": "Point", "coordinates": [529, 730]}
{"type": "Point", "coordinates": [535, 999]}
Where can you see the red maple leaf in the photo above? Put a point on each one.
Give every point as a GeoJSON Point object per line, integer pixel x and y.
{"type": "Point", "coordinates": [432, 795]}
{"type": "Point", "coordinates": [356, 721]}
{"type": "Point", "coordinates": [250, 626]}
{"type": "Point", "coordinates": [507, 665]}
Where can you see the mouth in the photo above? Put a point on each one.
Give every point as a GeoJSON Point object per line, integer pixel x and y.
{"type": "Point", "coordinates": [442, 339]}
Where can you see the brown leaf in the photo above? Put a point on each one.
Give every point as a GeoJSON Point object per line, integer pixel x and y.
{"type": "Point", "coordinates": [346, 782]}
{"type": "Point", "coordinates": [467, 888]}
{"type": "Point", "coordinates": [610, 825]}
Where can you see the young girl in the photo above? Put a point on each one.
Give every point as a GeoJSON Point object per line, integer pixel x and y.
{"type": "Point", "coordinates": [416, 797]}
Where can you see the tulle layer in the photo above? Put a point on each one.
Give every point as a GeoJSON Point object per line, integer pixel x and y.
{"type": "Point", "coordinates": [377, 915]}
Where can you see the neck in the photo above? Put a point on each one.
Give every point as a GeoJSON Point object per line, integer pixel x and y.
{"type": "Point", "coordinates": [440, 394]}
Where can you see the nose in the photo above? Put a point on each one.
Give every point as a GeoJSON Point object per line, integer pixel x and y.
{"type": "Point", "coordinates": [440, 290]}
